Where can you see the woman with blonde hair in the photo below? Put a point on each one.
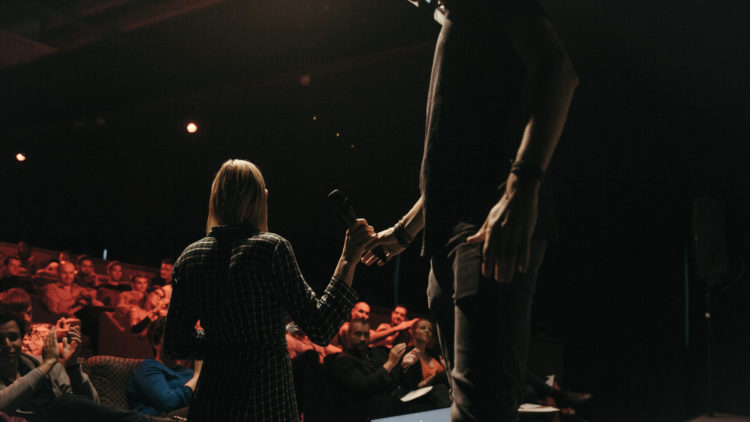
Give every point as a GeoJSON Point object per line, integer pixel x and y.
{"type": "Point", "coordinates": [241, 281]}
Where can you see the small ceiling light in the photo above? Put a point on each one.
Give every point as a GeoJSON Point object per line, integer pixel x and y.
{"type": "Point", "coordinates": [315, 117]}
{"type": "Point", "coordinates": [191, 127]}
{"type": "Point", "coordinates": [305, 80]}
{"type": "Point", "coordinates": [338, 134]}
{"type": "Point", "coordinates": [20, 157]}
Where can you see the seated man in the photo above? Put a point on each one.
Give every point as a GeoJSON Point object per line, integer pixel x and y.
{"type": "Point", "coordinates": [367, 377]}
{"type": "Point", "coordinates": [15, 275]}
{"type": "Point", "coordinates": [65, 297]}
{"type": "Point", "coordinates": [86, 276]}
{"type": "Point", "coordinates": [165, 274]}
{"type": "Point", "coordinates": [397, 331]}
{"type": "Point", "coordinates": [130, 301]}
{"type": "Point", "coordinates": [361, 310]}
{"type": "Point", "coordinates": [114, 275]}
{"type": "Point", "coordinates": [160, 386]}
{"type": "Point", "coordinates": [54, 388]}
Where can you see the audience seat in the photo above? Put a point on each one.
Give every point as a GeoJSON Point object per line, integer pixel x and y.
{"type": "Point", "coordinates": [116, 340]}
{"type": "Point", "coordinates": [110, 376]}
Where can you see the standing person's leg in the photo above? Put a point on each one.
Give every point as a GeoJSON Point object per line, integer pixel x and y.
{"type": "Point", "coordinates": [483, 327]}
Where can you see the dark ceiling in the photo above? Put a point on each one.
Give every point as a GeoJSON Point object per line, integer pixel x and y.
{"type": "Point", "coordinates": [325, 94]}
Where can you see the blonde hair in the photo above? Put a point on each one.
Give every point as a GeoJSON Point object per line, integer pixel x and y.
{"type": "Point", "coordinates": [238, 196]}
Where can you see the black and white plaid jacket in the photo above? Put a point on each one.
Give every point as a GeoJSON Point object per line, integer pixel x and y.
{"type": "Point", "coordinates": [241, 283]}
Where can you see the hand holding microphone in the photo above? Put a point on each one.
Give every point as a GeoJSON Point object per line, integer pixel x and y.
{"type": "Point", "coordinates": [356, 238]}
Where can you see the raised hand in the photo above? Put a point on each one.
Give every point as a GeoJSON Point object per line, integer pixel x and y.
{"type": "Point", "coordinates": [50, 350]}
{"type": "Point", "coordinates": [396, 353]}
{"type": "Point", "coordinates": [410, 358]}
{"type": "Point", "coordinates": [70, 345]}
{"type": "Point", "coordinates": [506, 233]}
{"type": "Point", "coordinates": [357, 240]}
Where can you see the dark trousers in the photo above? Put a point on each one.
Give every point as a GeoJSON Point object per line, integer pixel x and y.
{"type": "Point", "coordinates": [483, 327]}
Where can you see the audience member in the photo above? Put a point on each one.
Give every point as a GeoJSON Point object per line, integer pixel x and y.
{"type": "Point", "coordinates": [28, 260]}
{"type": "Point", "coordinates": [18, 302]}
{"type": "Point", "coordinates": [86, 276]}
{"type": "Point", "coordinates": [65, 297]}
{"type": "Point", "coordinates": [14, 274]}
{"type": "Point", "coordinates": [360, 310]}
{"type": "Point", "coordinates": [431, 368]}
{"type": "Point", "coordinates": [132, 300]}
{"type": "Point", "coordinates": [298, 343]}
{"type": "Point", "coordinates": [368, 378]}
{"type": "Point", "coordinates": [165, 274]}
{"type": "Point", "coordinates": [397, 331]}
{"type": "Point", "coordinates": [160, 386]}
{"type": "Point", "coordinates": [53, 389]}
{"type": "Point", "coordinates": [156, 305]}
{"type": "Point", "coordinates": [114, 274]}
{"type": "Point", "coordinates": [50, 270]}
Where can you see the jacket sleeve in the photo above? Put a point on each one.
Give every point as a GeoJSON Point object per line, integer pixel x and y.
{"type": "Point", "coordinates": [16, 394]}
{"type": "Point", "coordinates": [319, 316]}
{"type": "Point", "coordinates": [152, 383]}
{"type": "Point", "coordinates": [72, 380]}
{"type": "Point", "coordinates": [181, 339]}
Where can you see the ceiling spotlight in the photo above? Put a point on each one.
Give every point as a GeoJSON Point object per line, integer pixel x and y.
{"type": "Point", "coordinates": [20, 157]}
{"type": "Point", "coordinates": [305, 80]}
{"type": "Point", "coordinates": [191, 127]}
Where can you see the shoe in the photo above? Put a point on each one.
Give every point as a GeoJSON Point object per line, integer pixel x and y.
{"type": "Point", "coordinates": [565, 398]}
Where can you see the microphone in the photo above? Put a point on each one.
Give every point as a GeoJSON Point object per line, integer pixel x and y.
{"type": "Point", "coordinates": [344, 209]}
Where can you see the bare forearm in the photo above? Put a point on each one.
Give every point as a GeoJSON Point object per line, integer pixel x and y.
{"type": "Point", "coordinates": [381, 334]}
{"type": "Point", "coordinates": [345, 270]}
{"type": "Point", "coordinates": [413, 221]}
{"type": "Point", "coordinates": [549, 93]}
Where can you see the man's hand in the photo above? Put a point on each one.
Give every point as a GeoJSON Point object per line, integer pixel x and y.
{"type": "Point", "coordinates": [394, 356]}
{"type": "Point", "coordinates": [506, 233]}
{"type": "Point", "coordinates": [388, 241]}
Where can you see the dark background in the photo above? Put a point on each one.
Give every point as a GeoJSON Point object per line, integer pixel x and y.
{"type": "Point", "coordinates": [658, 120]}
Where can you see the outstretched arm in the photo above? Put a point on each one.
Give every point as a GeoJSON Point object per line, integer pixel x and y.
{"type": "Point", "coordinates": [396, 239]}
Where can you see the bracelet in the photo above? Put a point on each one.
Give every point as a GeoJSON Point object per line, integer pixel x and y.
{"type": "Point", "coordinates": [523, 168]}
{"type": "Point", "coordinates": [401, 235]}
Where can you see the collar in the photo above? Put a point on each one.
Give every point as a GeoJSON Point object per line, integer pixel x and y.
{"type": "Point", "coordinates": [233, 232]}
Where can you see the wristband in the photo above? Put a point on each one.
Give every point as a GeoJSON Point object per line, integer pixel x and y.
{"type": "Point", "coordinates": [523, 168]}
{"type": "Point", "coordinates": [401, 235]}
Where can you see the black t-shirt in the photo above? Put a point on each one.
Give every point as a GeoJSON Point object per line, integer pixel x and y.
{"type": "Point", "coordinates": [475, 120]}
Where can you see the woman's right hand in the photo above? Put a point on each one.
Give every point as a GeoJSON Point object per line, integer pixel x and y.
{"type": "Point", "coordinates": [358, 237]}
